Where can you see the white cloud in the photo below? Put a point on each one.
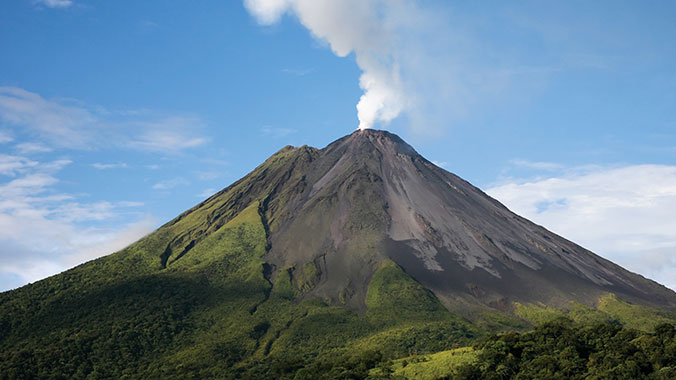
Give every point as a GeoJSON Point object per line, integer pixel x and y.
{"type": "Point", "coordinates": [101, 166]}
{"type": "Point", "coordinates": [367, 28]}
{"type": "Point", "coordinates": [55, 3]}
{"type": "Point", "coordinates": [208, 176]}
{"type": "Point", "coordinates": [43, 231]}
{"type": "Point", "coordinates": [28, 148]}
{"type": "Point", "coordinates": [551, 166]}
{"type": "Point", "coordinates": [13, 165]}
{"type": "Point", "coordinates": [277, 132]}
{"type": "Point", "coordinates": [215, 161]}
{"type": "Point", "coordinates": [78, 212]}
{"type": "Point", "coordinates": [5, 137]}
{"type": "Point", "coordinates": [625, 214]}
{"type": "Point", "coordinates": [71, 125]}
{"type": "Point", "coordinates": [170, 183]}
{"type": "Point", "coordinates": [57, 122]}
{"type": "Point", "coordinates": [94, 243]}
{"type": "Point", "coordinates": [421, 59]}
{"type": "Point", "coordinates": [430, 61]}
{"type": "Point", "coordinates": [441, 164]}
{"type": "Point", "coordinates": [170, 135]}
{"type": "Point", "coordinates": [130, 204]}
{"type": "Point", "coordinates": [56, 246]}
{"type": "Point", "coordinates": [207, 193]}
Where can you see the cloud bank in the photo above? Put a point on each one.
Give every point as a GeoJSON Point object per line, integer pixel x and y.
{"type": "Point", "coordinates": [44, 231]}
{"type": "Point", "coordinates": [69, 124]}
{"type": "Point", "coordinates": [625, 214]}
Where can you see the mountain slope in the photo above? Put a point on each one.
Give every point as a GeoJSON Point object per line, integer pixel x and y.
{"type": "Point", "coordinates": [351, 254]}
{"type": "Point", "coordinates": [370, 197]}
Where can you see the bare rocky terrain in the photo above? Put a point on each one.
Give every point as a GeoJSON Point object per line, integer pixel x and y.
{"type": "Point", "coordinates": [370, 196]}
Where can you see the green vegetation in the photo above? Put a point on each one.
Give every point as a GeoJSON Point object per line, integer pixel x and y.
{"type": "Point", "coordinates": [494, 321]}
{"type": "Point", "coordinates": [307, 277]}
{"type": "Point", "coordinates": [393, 295]}
{"type": "Point", "coordinates": [283, 285]}
{"type": "Point", "coordinates": [561, 349]}
{"type": "Point", "coordinates": [537, 314]}
{"type": "Point", "coordinates": [634, 316]}
{"type": "Point", "coordinates": [610, 309]}
{"type": "Point", "coordinates": [212, 313]}
{"type": "Point", "coordinates": [196, 300]}
{"type": "Point", "coordinates": [427, 367]}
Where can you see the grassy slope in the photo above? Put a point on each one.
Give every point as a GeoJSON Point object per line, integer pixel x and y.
{"type": "Point", "coordinates": [209, 312]}
{"type": "Point", "coordinates": [428, 367]}
{"type": "Point", "coordinates": [610, 313]}
{"type": "Point", "coordinates": [609, 309]}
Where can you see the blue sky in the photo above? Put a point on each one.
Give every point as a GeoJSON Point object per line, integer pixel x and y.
{"type": "Point", "coordinates": [115, 116]}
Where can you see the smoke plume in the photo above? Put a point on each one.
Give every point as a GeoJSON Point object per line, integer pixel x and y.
{"type": "Point", "coordinates": [382, 34]}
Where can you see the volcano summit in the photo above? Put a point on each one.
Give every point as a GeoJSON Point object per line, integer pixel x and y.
{"type": "Point", "coordinates": [370, 197]}
{"type": "Point", "coordinates": [363, 246]}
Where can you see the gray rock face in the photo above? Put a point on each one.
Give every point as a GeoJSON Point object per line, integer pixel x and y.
{"type": "Point", "coordinates": [369, 196]}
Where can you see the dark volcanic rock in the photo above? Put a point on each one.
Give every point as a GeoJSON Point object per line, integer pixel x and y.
{"type": "Point", "coordinates": [370, 196]}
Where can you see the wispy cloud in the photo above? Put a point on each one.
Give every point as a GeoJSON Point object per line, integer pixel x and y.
{"type": "Point", "coordinates": [69, 124]}
{"type": "Point", "coordinates": [215, 161]}
{"type": "Point", "coordinates": [208, 176]}
{"type": "Point", "coordinates": [170, 183]}
{"type": "Point", "coordinates": [207, 193]}
{"type": "Point", "coordinates": [624, 213]}
{"type": "Point", "coordinates": [78, 212]}
{"type": "Point", "coordinates": [44, 231]}
{"type": "Point", "coordinates": [147, 24]}
{"type": "Point", "coordinates": [5, 137]}
{"type": "Point", "coordinates": [130, 204]}
{"type": "Point", "coordinates": [101, 166]}
{"type": "Point", "coordinates": [59, 123]}
{"type": "Point", "coordinates": [28, 148]}
{"type": "Point", "coordinates": [274, 132]}
{"type": "Point", "coordinates": [171, 135]}
{"type": "Point", "coordinates": [55, 3]}
{"type": "Point", "coordinates": [537, 164]}
{"type": "Point", "coordinates": [13, 165]}
{"type": "Point", "coordinates": [298, 72]}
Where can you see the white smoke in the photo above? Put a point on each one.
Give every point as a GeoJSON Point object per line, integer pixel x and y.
{"type": "Point", "coordinates": [374, 30]}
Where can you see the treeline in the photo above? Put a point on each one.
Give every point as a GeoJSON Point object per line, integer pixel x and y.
{"type": "Point", "coordinates": [563, 350]}
{"type": "Point", "coordinates": [560, 349]}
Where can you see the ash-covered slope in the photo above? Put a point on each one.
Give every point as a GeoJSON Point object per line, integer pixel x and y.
{"type": "Point", "coordinates": [370, 196]}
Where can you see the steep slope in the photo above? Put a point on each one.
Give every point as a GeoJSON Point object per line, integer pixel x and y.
{"type": "Point", "coordinates": [348, 255]}
{"type": "Point", "coordinates": [369, 197]}
{"type": "Point", "coordinates": [332, 216]}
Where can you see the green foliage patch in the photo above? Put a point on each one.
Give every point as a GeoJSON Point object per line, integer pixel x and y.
{"type": "Point", "coordinates": [635, 316]}
{"type": "Point", "coordinates": [561, 349]}
{"type": "Point", "coordinates": [195, 299]}
{"type": "Point", "coordinates": [609, 309]}
{"type": "Point", "coordinates": [394, 296]}
{"type": "Point", "coordinates": [428, 367]}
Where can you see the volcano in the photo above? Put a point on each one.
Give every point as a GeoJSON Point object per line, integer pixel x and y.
{"type": "Point", "coordinates": [362, 245]}
{"type": "Point", "coordinates": [369, 197]}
